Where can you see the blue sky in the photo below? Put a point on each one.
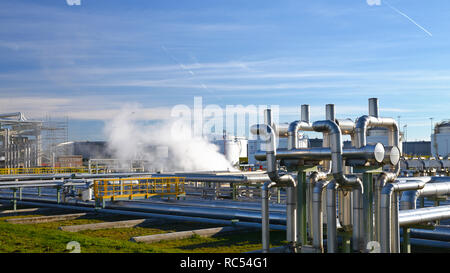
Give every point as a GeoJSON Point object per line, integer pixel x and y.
{"type": "Point", "coordinates": [86, 61]}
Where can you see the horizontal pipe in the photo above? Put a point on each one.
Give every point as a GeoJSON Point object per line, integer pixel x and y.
{"type": "Point", "coordinates": [151, 215]}
{"type": "Point", "coordinates": [369, 152]}
{"type": "Point", "coordinates": [411, 217]}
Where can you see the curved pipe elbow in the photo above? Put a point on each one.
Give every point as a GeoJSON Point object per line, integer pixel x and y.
{"type": "Point", "coordinates": [268, 185]}
{"type": "Point", "coordinates": [327, 126]}
{"type": "Point", "coordinates": [409, 199]}
{"type": "Point", "coordinates": [365, 122]}
{"type": "Point", "coordinates": [352, 181]}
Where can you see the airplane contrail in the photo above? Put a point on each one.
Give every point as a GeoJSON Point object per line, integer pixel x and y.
{"type": "Point", "coordinates": [407, 17]}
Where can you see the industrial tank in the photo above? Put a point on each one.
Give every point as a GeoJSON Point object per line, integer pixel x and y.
{"type": "Point", "coordinates": [233, 148]}
{"type": "Point", "coordinates": [440, 140]}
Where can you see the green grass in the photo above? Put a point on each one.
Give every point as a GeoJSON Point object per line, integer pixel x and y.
{"type": "Point", "coordinates": [45, 237]}
{"type": "Point", "coordinates": [35, 239]}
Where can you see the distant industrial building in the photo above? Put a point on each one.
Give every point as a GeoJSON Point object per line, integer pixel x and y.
{"type": "Point", "coordinates": [417, 148]}
{"type": "Point", "coordinates": [440, 140]}
{"type": "Point", "coordinates": [21, 141]}
{"type": "Point", "coordinates": [86, 149]}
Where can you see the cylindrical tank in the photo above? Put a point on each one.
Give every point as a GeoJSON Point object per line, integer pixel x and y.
{"type": "Point", "coordinates": [440, 140]}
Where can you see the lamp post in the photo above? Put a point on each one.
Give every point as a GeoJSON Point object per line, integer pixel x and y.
{"type": "Point", "coordinates": [405, 130]}
{"type": "Point", "coordinates": [431, 121]}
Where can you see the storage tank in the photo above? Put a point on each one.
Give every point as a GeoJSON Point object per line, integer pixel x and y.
{"type": "Point", "coordinates": [440, 140]}
{"type": "Point", "coordinates": [233, 148]}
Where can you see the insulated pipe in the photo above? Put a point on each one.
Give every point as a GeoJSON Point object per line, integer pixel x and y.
{"type": "Point", "coordinates": [329, 112]}
{"type": "Point", "coordinates": [265, 216]}
{"type": "Point", "coordinates": [331, 217]}
{"type": "Point", "coordinates": [411, 217]}
{"type": "Point", "coordinates": [345, 208]}
{"type": "Point", "coordinates": [354, 182]}
{"type": "Point", "coordinates": [385, 210]}
{"type": "Point", "coordinates": [329, 115]}
{"type": "Point", "coordinates": [373, 107]}
{"type": "Point", "coordinates": [432, 188]}
{"type": "Point", "coordinates": [281, 129]}
{"type": "Point", "coordinates": [117, 210]}
{"type": "Point", "coordinates": [365, 122]}
{"type": "Point", "coordinates": [294, 128]}
{"type": "Point", "coordinates": [380, 182]}
{"type": "Point", "coordinates": [317, 224]}
{"type": "Point", "coordinates": [347, 126]}
{"type": "Point", "coordinates": [285, 180]}
{"type": "Point", "coordinates": [310, 184]}
{"type": "Point", "coordinates": [369, 152]}
{"type": "Point", "coordinates": [305, 113]}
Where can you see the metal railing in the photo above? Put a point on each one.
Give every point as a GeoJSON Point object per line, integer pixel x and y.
{"type": "Point", "coordinates": [121, 188]}
{"type": "Point", "coordinates": [43, 170]}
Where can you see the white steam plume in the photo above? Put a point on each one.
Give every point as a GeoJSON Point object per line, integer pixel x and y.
{"type": "Point", "coordinates": [168, 145]}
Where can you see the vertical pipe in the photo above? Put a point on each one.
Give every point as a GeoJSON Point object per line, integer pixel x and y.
{"type": "Point", "coordinates": [6, 147]}
{"type": "Point", "coordinates": [331, 218]}
{"type": "Point", "coordinates": [317, 224]}
{"type": "Point", "coordinates": [406, 247]}
{"type": "Point", "coordinates": [309, 207]}
{"type": "Point", "coordinates": [265, 195]}
{"type": "Point", "coordinates": [329, 112]}
{"type": "Point", "coordinates": [345, 208]}
{"type": "Point", "coordinates": [38, 147]}
{"type": "Point", "coordinates": [291, 212]}
{"type": "Point", "coordinates": [305, 113]}
{"type": "Point", "coordinates": [395, 227]}
{"type": "Point", "coordinates": [368, 207]}
{"type": "Point", "coordinates": [302, 235]}
{"type": "Point", "coordinates": [373, 107]}
{"type": "Point", "coordinates": [358, 224]}
{"type": "Point", "coordinates": [268, 117]}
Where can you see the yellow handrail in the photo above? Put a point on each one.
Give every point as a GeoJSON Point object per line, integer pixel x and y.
{"type": "Point", "coordinates": [114, 188]}
{"type": "Point", "coordinates": [43, 170]}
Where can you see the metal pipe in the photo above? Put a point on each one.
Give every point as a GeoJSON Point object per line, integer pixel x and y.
{"type": "Point", "coordinates": [294, 128]}
{"type": "Point", "coordinates": [432, 188]}
{"type": "Point", "coordinates": [285, 180]}
{"type": "Point", "coordinates": [368, 152]}
{"type": "Point", "coordinates": [345, 208]}
{"type": "Point", "coordinates": [331, 217]}
{"type": "Point", "coordinates": [116, 210]}
{"type": "Point", "coordinates": [329, 112]}
{"type": "Point", "coordinates": [385, 210]}
{"type": "Point", "coordinates": [311, 182]}
{"type": "Point", "coordinates": [354, 182]}
{"type": "Point", "coordinates": [373, 107]}
{"type": "Point", "coordinates": [305, 113]}
{"type": "Point", "coordinates": [317, 224]}
{"type": "Point", "coordinates": [411, 217]}
{"type": "Point", "coordinates": [380, 182]}
{"type": "Point", "coordinates": [347, 126]}
{"type": "Point", "coordinates": [365, 122]}
{"type": "Point", "coordinates": [265, 216]}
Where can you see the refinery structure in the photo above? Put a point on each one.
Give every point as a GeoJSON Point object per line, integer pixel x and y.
{"type": "Point", "coordinates": [368, 194]}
